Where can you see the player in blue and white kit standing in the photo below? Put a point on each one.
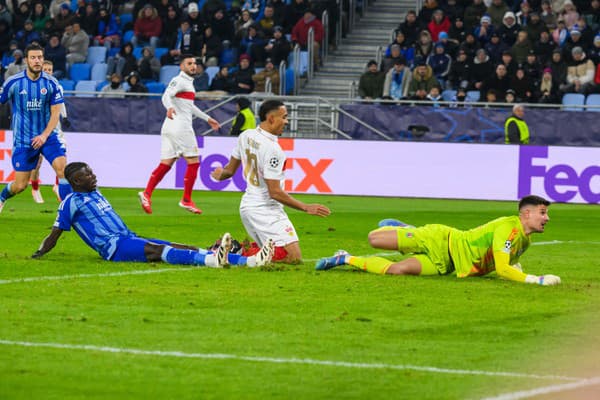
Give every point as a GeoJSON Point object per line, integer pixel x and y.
{"type": "Point", "coordinates": [90, 214]}
{"type": "Point", "coordinates": [36, 101]}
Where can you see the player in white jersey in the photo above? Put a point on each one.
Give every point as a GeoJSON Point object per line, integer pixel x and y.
{"type": "Point", "coordinates": [177, 135]}
{"type": "Point", "coordinates": [48, 67]}
{"type": "Point", "coordinates": [263, 160]}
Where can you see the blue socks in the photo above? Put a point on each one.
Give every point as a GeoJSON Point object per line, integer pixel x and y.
{"type": "Point", "coordinates": [6, 193]}
{"type": "Point", "coordinates": [182, 257]}
{"type": "Point", "coordinates": [236, 259]}
{"type": "Point", "coordinates": [64, 189]}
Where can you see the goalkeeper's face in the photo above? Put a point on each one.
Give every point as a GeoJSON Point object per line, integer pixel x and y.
{"type": "Point", "coordinates": [535, 218]}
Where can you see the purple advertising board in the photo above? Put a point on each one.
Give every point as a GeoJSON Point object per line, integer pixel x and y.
{"type": "Point", "coordinates": [399, 169]}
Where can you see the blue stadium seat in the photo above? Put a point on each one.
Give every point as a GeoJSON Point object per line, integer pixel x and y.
{"type": "Point", "coordinates": [160, 51]}
{"type": "Point", "coordinates": [473, 95]}
{"type": "Point", "coordinates": [137, 52]}
{"type": "Point", "coordinates": [155, 87]}
{"type": "Point", "coordinates": [80, 72]}
{"type": "Point", "coordinates": [289, 80]}
{"type": "Point", "coordinates": [211, 71]}
{"type": "Point", "coordinates": [99, 72]}
{"type": "Point", "coordinates": [448, 95]}
{"type": "Point", "coordinates": [573, 101]}
{"type": "Point", "coordinates": [127, 36]}
{"type": "Point", "coordinates": [113, 51]}
{"type": "Point", "coordinates": [86, 86]}
{"type": "Point", "coordinates": [593, 100]}
{"type": "Point", "coordinates": [96, 54]}
{"type": "Point", "coordinates": [228, 56]}
{"type": "Point", "coordinates": [168, 72]}
{"type": "Point", "coordinates": [303, 62]}
{"type": "Point", "coordinates": [67, 84]}
{"type": "Point", "coordinates": [100, 85]}
{"type": "Point", "coordinates": [124, 19]}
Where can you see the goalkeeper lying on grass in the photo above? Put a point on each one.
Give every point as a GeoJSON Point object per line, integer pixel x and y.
{"type": "Point", "coordinates": [441, 250]}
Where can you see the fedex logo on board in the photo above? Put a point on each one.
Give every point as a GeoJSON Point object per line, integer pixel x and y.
{"type": "Point", "coordinates": [561, 182]}
{"type": "Point", "coordinates": [309, 173]}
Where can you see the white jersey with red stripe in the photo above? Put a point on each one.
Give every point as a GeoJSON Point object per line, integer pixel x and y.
{"type": "Point", "coordinates": [180, 95]}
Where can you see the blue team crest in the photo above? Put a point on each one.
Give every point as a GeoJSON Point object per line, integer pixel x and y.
{"type": "Point", "coordinates": [44, 91]}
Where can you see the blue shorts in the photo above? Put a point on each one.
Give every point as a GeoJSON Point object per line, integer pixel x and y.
{"type": "Point", "coordinates": [132, 249]}
{"type": "Point", "coordinates": [26, 158]}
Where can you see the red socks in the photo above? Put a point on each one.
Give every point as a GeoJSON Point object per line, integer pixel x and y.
{"type": "Point", "coordinates": [35, 184]}
{"type": "Point", "coordinates": [191, 172]}
{"type": "Point", "coordinates": [156, 177]}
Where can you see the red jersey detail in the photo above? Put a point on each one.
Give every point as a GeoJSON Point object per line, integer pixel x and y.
{"type": "Point", "coordinates": [186, 95]}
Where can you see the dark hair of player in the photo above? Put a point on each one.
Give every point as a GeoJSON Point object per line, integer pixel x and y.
{"type": "Point", "coordinates": [185, 56]}
{"type": "Point", "coordinates": [268, 106]}
{"type": "Point", "coordinates": [533, 200]}
{"type": "Point", "coordinates": [33, 46]}
{"type": "Point", "coordinates": [72, 168]}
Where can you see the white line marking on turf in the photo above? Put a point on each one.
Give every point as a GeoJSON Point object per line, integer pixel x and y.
{"type": "Point", "coordinates": [563, 242]}
{"type": "Point", "coordinates": [276, 360]}
{"type": "Point", "coordinates": [547, 390]}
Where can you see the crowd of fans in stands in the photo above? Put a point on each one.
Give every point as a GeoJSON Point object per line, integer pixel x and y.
{"type": "Point", "coordinates": [257, 33]}
{"type": "Point", "coordinates": [509, 51]}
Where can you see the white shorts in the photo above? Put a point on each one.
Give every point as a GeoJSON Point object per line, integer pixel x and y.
{"type": "Point", "coordinates": [263, 223]}
{"type": "Point", "coordinates": [175, 145]}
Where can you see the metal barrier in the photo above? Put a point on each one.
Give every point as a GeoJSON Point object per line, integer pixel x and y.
{"type": "Point", "coordinates": [379, 55]}
{"type": "Point", "coordinates": [311, 53]}
{"type": "Point", "coordinates": [282, 77]}
{"type": "Point", "coordinates": [296, 53]}
{"type": "Point", "coordinates": [325, 44]}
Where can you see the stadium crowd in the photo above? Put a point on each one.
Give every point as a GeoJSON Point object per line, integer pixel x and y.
{"type": "Point", "coordinates": [509, 51]}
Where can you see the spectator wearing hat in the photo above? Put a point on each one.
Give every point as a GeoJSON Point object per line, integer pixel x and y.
{"type": "Point", "coordinates": [439, 23]}
{"type": "Point", "coordinates": [573, 40]}
{"type": "Point", "coordinates": [481, 69]}
{"type": "Point", "coordinates": [457, 33]}
{"type": "Point", "coordinates": [55, 5]}
{"type": "Point", "coordinates": [65, 17]}
{"type": "Point", "coordinates": [212, 48]}
{"type": "Point", "coordinates": [406, 50]}
{"type": "Point", "coordinates": [421, 82]}
{"type": "Point", "coordinates": [268, 73]}
{"type": "Point", "coordinates": [424, 46]}
{"type": "Point", "coordinates": [558, 66]}
{"type": "Point", "coordinates": [473, 14]}
{"type": "Point", "coordinates": [516, 130]}
{"type": "Point", "coordinates": [523, 14]}
{"type": "Point", "coordinates": [587, 35]}
{"type": "Point", "coordinates": [410, 27]}
{"type": "Point", "coordinates": [509, 62]}
{"type": "Point", "coordinates": [535, 27]}
{"type": "Point", "coordinates": [440, 63]}
{"type": "Point", "coordinates": [56, 52]}
{"type": "Point", "coordinates": [470, 45]}
{"type": "Point", "coordinates": [135, 83]}
{"type": "Point", "coordinates": [594, 51]}
{"type": "Point", "coordinates": [521, 47]}
{"type": "Point", "coordinates": [495, 48]}
{"type": "Point", "coordinates": [278, 48]}
{"type": "Point", "coordinates": [107, 32]}
{"type": "Point", "coordinates": [543, 48]}
{"type": "Point", "coordinates": [484, 31]}
{"type": "Point", "coordinates": [533, 68]}
{"type": "Point", "coordinates": [580, 74]}
{"type": "Point", "coordinates": [76, 41]}
{"type": "Point", "coordinates": [496, 11]}
{"type": "Point", "coordinates": [509, 96]}
{"type": "Point", "coordinates": [397, 80]}
{"type": "Point", "coordinates": [509, 29]}
{"type": "Point", "coordinates": [16, 66]}
{"type": "Point", "coordinates": [147, 27]}
{"type": "Point", "coordinates": [244, 119]}
{"type": "Point", "coordinates": [548, 89]}
{"type": "Point", "coordinates": [195, 19]}
{"type": "Point", "coordinates": [300, 34]}
{"type": "Point", "coordinates": [523, 87]}
{"type": "Point", "coordinates": [388, 61]}
{"type": "Point", "coordinates": [370, 85]}
{"type": "Point", "coordinates": [548, 15]}
{"type": "Point", "coordinates": [460, 72]}
{"type": "Point", "coordinates": [27, 35]}
{"type": "Point", "coordinates": [242, 78]}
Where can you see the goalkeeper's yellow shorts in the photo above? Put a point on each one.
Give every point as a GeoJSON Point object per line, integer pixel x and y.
{"type": "Point", "coordinates": [429, 245]}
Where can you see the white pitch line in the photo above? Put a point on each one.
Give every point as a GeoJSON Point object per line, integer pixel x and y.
{"type": "Point", "coordinates": [277, 360]}
{"type": "Point", "coordinates": [547, 390]}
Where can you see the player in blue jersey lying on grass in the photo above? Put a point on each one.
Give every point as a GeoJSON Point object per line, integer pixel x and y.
{"type": "Point", "coordinates": [96, 222]}
{"type": "Point", "coordinates": [441, 250]}
{"type": "Point", "coordinates": [36, 101]}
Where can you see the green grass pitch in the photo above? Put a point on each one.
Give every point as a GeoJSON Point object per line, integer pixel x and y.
{"type": "Point", "coordinates": [289, 332]}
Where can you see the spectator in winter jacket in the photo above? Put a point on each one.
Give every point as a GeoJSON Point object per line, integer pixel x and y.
{"type": "Point", "coordinates": [460, 72]}
{"type": "Point", "coordinates": [406, 50]}
{"type": "Point", "coordinates": [27, 35]}
{"type": "Point", "coordinates": [521, 47]}
{"type": "Point", "coordinates": [422, 81]}
{"type": "Point", "coordinates": [496, 11]}
{"type": "Point", "coordinates": [107, 32]}
{"type": "Point", "coordinates": [148, 65]}
{"type": "Point", "coordinates": [76, 41]}
{"type": "Point", "coordinates": [242, 78]}
{"type": "Point", "coordinates": [484, 31]}
{"type": "Point", "coordinates": [481, 69]}
{"type": "Point", "coordinates": [56, 53]}
{"type": "Point", "coordinates": [397, 81]}
{"type": "Point", "coordinates": [147, 27]}
{"type": "Point", "coordinates": [300, 33]}
{"type": "Point", "coordinates": [439, 23]}
{"type": "Point", "coordinates": [410, 27]}
{"type": "Point", "coordinates": [135, 84]}
{"type": "Point", "coordinates": [509, 29]}
{"type": "Point", "coordinates": [269, 72]}
{"type": "Point", "coordinates": [580, 74]}
{"type": "Point", "coordinates": [278, 48]}
{"type": "Point", "coordinates": [370, 85]}
{"type": "Point", "coordinates": [440, 63]}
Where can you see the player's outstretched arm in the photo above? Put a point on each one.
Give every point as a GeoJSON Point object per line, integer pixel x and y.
{"type": "Point", "coordinates": [515, 272]}
{"type": "Point", "coordinates": [277, 193]}
{"type": "Point", "coordinates": [220, 174]}
{"type": "Point", "coordinates": [48, 243]}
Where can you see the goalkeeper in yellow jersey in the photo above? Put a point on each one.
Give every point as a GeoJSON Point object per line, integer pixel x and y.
{"type": "Point", "coordinates": [441, 250]}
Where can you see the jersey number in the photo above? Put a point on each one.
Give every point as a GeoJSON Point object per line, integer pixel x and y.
{"type": "Point", "coordinates": [251, 169]}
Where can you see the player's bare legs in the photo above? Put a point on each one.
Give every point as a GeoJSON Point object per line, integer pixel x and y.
{"type": "Point", "coordinates": [384, 238]}
{"type": "Point", "coordinates": [410, 266]}
{"type": "Point", "coordinates": [35, 182]}
{"type": "Point", "coordinates": [64, 188]}
{"type": "Point", "coordinates": [294, 254]}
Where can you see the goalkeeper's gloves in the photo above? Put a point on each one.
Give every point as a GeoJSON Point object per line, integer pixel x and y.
{"type": "Point", "coordinates": [66, 123]}
{"type": "Point", "coordinates": [544, 280]}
